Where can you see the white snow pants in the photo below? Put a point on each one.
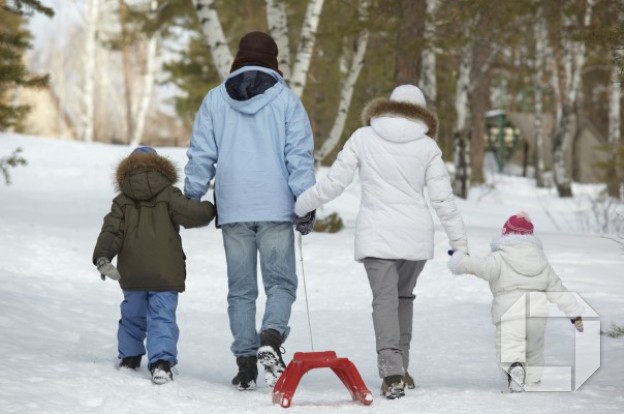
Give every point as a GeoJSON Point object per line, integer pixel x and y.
{"type": "Point", "coordinates": [522, 340]}
{"type": "Point", "coordinates": [392, 283]}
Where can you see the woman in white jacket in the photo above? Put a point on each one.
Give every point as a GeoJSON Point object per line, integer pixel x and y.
{"type": "Point", "coordinates": [522, 283]}
{"type": "Point", "coordinates": [397, 158]}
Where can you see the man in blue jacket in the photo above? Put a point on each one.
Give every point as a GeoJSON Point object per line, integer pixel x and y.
{"type": "Point", "coordinates": [253, 135]}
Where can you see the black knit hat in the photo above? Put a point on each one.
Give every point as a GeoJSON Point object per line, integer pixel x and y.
{"type": "Point", "coordinates": [256, 48]}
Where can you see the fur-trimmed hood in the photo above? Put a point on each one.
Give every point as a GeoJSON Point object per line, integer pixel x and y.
{"type": "Point", "coordinates": [141, 176]}
{"type": "Point", "coordinates": [383, 107]}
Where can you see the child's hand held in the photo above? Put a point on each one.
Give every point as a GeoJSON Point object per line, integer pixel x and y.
{"type": "Point", "coordinates": [106, 268]}
{"type": "Point", "coordinates": [578, 323]}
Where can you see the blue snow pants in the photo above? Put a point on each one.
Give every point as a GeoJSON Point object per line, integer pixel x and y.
{"type": "Point", "coordinates": [153, 315]}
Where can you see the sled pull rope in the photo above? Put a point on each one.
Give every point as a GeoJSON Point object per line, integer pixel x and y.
{"type": "Point", "coordinates": [305, 288]}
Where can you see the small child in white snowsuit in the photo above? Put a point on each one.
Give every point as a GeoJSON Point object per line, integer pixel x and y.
{"type": "Point", "coordinates": [522, 283]}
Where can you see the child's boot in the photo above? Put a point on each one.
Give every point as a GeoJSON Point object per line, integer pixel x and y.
{"type": "Point", "coordinates": [515, 377]}
{"type": "Point", "coordinates": [131, 362]}
{"type": "Point", "coordinates": [161, 372]}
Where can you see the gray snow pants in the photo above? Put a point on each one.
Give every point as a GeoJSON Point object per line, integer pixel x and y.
{"type": "Point", "coordinates": [392, 283]}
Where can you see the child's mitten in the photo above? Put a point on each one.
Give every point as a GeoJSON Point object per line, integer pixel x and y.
{"type": "Point", "coordinates": [454, 263]}
{"type": "Point", "coordinates": [105, 268]}
{"type": "Point", "coordinates": [578, 323]}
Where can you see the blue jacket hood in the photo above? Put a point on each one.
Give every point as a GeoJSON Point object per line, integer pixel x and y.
{"type": "Point", "coordinates": [253, 104]}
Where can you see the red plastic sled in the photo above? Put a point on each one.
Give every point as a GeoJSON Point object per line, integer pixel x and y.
{"type": "Point", "coordinates": [302, 362]}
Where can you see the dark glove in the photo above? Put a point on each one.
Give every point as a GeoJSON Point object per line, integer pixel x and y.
{"type": "Point", "coordinates": [578, 323]}
{"type": "Point", "coordinates": [216, 211]}
{"type": "Point", "coordinates": [105, 268]}
{"type": "Point", "coordinates": [305, 224]}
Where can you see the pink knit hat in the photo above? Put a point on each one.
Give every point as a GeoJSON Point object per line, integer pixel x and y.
{"type": "Point", "coordinates": [518, 224]}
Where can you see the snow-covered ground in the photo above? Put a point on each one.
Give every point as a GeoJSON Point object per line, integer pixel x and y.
{"type": "Point", "coordinates": [58, 320]}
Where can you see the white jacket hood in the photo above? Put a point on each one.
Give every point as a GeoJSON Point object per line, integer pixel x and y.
{"type": "Point", "coordinates": [522, 253]}
{"type": "Point", "coordinates": [399, 129]}
{"type": "Point", "coordinates": [399, 119]}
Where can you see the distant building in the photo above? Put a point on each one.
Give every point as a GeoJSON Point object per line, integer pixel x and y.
{"type": "Point", "coordinates": [518, 144]}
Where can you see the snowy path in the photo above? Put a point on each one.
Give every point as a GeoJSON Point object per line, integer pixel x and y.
{"type": "Point", "coordinates": [58, 320]}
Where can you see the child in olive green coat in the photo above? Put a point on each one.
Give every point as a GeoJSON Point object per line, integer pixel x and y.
{"type": "Point", "coordinates": [143, 231]}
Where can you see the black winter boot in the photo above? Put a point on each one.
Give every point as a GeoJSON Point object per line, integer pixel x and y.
{"type": "Point", "coordinates": [161, 372]}
{"type": "Point", "coordinates": [132, 362]}
{"type": "Point", "coordinates": [247, 375]}
{"type": "Point", "coordinates": [270, 355]}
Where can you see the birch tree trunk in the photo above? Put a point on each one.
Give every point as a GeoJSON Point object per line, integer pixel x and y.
{"type": "Point", "coordinates": [214, 35]}
{"type": "Point", "coordinates": [306, 46]}
{"type": "Point", "coordinates": [427, 81]}
{"type": "Point", "coordinates": [88, 91]}
{"type": "Point", "coordinates": [615, 96]}
{"type": "Point", "coordinates": [572, 62]}
{"type": "Point", "coordinates": [461, 155]}
{"type": "Point", "coordinates": [346, 92]}
{"type": "Point", "coordinates": [148, 83]}
{"type": "Point", "coordinates": [278, 29]}
{"type": "Point", "coordinates": [541, 39]}
{"type": "Point", "coordinates": [463, 88]}
{"type": "Point", "coordinates": [614, 185]}
{"type": "Point", "coordinates": [125, 61]}
{"type": "Point", "coordinates": [565, 125]}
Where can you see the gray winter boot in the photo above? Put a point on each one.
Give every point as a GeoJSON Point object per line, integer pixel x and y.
{"type": "Point", "coordinates": [409, 381]}
{"type": "Point", "coordinates": [393, 387]}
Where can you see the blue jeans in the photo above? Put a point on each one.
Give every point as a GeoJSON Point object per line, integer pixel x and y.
{"type": "Point", "coordinates": [152, 315]}
{"type": "Point", "coordinates": [275, 241]}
